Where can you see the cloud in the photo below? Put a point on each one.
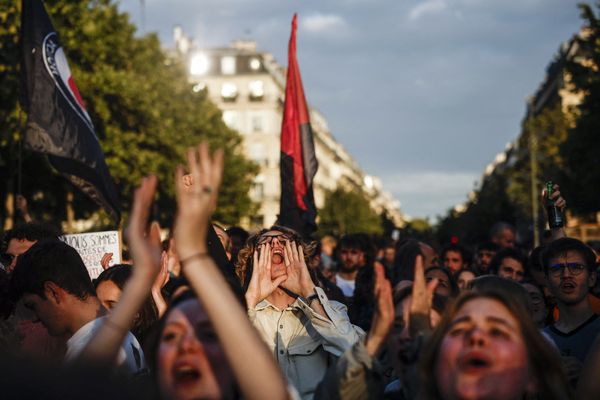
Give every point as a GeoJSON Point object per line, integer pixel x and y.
{"type": "Point", "coordinates": [321, 23]}
{"type": "Point", "coordinates": [427, 7]}
{"type": "Point", "coordinates": [427, 193]}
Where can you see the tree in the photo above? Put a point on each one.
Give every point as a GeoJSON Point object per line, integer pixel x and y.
{"type": "Point", "coordinates": [549, 128]}
{"type": "Point", "coordinates": [582, 146]}
{"type": "Point", "coordinates": [143, 108]}
{"type": "Point", "coordinates": [348, 212]}
{"type": "Point", "coordinates": [489, 205]}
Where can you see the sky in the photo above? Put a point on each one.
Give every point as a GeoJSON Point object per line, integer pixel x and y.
{"type": "Point", "coordinates": [423, 94]}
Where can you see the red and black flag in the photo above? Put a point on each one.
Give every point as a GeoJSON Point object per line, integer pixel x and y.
{"type": "Point", "coordinates": [58, 124]}
{"type": "Point", "coordinates": [298, 160]}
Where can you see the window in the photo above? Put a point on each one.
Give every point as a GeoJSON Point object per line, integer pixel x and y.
{"type": "Point", "coordinates": [231, 119]}
{"type": "Point", "coordinates": [258, 154]}
{"type": "Point", "coordinates": [200, 64]}
{"type": "Point", "coordinates": [256, 89]}
{"type": "Point", "coordinates": [229, 91]}
{"type": "Point", "coordinates": [257, 190]}
{"type": "Point", "coordinates": [257, 123]}
{"type": "Point", "coordinates": [254, 64]}
{"type": "Point", "coordinates": [228, 65]}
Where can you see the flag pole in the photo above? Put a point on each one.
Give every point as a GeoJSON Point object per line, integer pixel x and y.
{"type": "Point", "coordinates": [20, 154]}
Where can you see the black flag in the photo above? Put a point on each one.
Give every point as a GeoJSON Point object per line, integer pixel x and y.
{"type": "Point", "coordinates": [58, 124]}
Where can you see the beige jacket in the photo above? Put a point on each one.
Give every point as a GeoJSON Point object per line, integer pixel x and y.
{"type": "Point", "coordinates": [304, 342]}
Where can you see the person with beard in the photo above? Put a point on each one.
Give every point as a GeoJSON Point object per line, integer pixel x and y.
{"type": "Point", "coordinates": [304, 330]}
{"type": "Point", "coordinates": [570, 272]}
{"type": "Point", "coordinates": [485, 252]}
{"type": "Point", "coordinates": [353, 255]}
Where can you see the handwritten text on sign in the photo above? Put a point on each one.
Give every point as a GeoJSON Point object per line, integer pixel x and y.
{"type": "Point", "coordinates": [92, 246]}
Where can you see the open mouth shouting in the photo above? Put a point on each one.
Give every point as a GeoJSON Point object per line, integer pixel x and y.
{"type": "Point", "coordinates": [568, 287]}
{"type": "Point", "coordinates": [475, 362]}
{"type": "Point", "coordinates": [277, 255]}
{"type": "Point", "coordinates": [185, 374]}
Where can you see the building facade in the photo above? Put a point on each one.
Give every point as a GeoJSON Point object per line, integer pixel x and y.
{"type": "Point", "coordinates": [249, 87]}
{"type": "Point", "coordinates": [555, 89]}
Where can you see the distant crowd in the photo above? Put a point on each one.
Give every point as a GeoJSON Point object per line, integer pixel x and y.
{"type": "Point", "coordinates": [210, 312]}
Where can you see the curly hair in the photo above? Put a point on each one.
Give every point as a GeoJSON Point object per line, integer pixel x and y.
{"type": "Point", "coordinates": [244, 265]}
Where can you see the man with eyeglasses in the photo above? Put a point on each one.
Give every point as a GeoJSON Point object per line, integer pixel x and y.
{"type": "Point", "coordinates": [569, 266]}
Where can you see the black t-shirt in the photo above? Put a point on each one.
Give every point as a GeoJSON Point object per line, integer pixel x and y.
{"type": "Point", "coordinates": [578, 342]}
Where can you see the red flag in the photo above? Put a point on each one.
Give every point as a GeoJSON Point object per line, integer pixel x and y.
{"type": "Point", "coordinates": [298, 160]}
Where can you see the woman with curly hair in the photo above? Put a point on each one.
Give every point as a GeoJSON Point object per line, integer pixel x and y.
{"type": "Point", "coordinates": [303, 328]}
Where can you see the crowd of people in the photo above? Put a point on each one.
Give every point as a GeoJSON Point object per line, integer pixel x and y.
{"type": "Point", "coordinates": [213, 312]}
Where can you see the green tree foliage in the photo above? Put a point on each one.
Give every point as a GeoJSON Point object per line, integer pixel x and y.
{"type": "Point", "coordinates": [348, 212]}
{"type": "Point", "coordinates": [489, 205]}
{"type": "Point", "coordinates": [549, 129]}
{"type": "Point", "coordinates": [566, 151]}
{"type": "Point", "coordinates": [418, 228]}
{"type": "Point", "coordinates": [143, 108]}
{"type": "Point", "coordinates": [582, 147]}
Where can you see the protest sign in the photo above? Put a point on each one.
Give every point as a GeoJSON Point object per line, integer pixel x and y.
{"type": "Point", "coordinates": [92, 246]}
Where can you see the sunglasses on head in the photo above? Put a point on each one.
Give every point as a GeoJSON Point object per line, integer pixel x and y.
{"type": "Point", "coordinates": [267, 239]}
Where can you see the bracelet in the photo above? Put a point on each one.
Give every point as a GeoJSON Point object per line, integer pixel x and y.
{"type": "Point", "coordinates": [202, 254]}
{"type": "Point", "coordinates": [111, 324]}
{"type": "Point", "coordinates": [312, 297]}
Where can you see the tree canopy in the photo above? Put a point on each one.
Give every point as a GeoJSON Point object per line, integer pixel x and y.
{"type": "Point", "coordinates": [346, 212]}
{"type": "Point", "coordinates": [142, 106]}
{"type": "Point", "coordinates": [582, 146]}
{"type": "Point", "coordinates": [567, 144]}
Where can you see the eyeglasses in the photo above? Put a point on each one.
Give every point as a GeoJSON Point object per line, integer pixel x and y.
{"type": "Point", "coordinates": [574, 269]}
{"type": "Point", "coordinates": [281, 238]}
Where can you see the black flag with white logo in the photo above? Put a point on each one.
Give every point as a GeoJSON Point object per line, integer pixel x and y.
{"type": "Point", "coordinates": [58, 124]}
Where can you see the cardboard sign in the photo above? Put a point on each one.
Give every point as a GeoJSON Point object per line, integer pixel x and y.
{"type": "Point", "coordinates": [92, 246]}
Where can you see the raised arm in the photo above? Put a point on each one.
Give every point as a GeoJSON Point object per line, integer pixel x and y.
{"type": "Point", "coordinates": [145, 250]}
{"type": "Point", "coordinates": [561, 203]}
{"type": "Point", "coordinates": [254, 367]}
{"type": "Point", "coordinates": [422, 298]}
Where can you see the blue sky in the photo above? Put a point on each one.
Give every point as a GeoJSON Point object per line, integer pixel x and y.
{"type": "Point", "coordinates": [423, 94]}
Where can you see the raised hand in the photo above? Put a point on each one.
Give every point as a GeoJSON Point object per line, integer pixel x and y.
{"type": "Point", "coordinates": [145, 251]}
{"type": "Point", "coordinates": [556, 197]}
{"type": "Point", "coordinates": [561, 203]}
{"type": "Point", "coordinates": [196, 199]}
{"type": "Point", "coordinates": [105, 261]}
{"type": "Point", "coordinates": [383, 319]}
{"type": "Point", "coordinates": [261, 284]}
{"type": "Point", "coordinates": [298, 278]}
{"type": "Point", "coordinates": [144, 248]}
{"type": "Point", "coordinates": [422, 298]}
{"type": "Point", "coordinates": [188, 181]}
{"type": "Point", "coordinates": [161, 278]}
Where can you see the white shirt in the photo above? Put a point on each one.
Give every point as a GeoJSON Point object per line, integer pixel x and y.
{"type": "Point", "coordinates": [346, 285]}
{"type": "Point", "coordinates": [130, 358]}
